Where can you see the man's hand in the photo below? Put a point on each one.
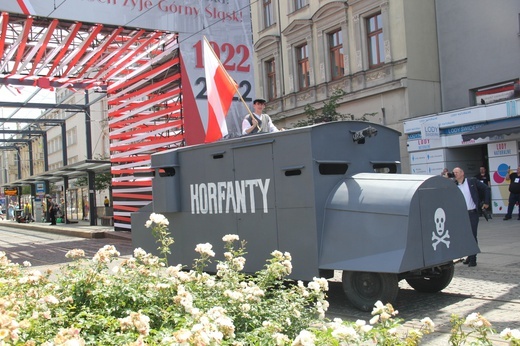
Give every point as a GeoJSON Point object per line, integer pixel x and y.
{"type": "Point", "coordinates": [254, 122]}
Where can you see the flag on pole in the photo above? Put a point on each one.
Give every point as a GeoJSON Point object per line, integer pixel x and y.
{"type": "Point", "coordinates": [220, 89]}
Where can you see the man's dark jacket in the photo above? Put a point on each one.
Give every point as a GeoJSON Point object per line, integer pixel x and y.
{"type": "Point", "coordinates": [479, 191]}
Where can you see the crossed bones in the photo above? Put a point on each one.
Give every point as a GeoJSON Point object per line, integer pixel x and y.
{"type": "Point", "coordinates": [439, 239]}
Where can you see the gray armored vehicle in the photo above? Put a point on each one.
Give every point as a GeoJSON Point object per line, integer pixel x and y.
{"type": "Point", "coordinates": [330, 194]}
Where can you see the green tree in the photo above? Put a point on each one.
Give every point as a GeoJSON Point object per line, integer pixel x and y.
{"type": "Point", "coordinates": [329, 112]}
{"type": "Point", "coordinates": [102, 181]}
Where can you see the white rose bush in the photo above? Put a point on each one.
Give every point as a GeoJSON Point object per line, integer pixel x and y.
{"type": "Point", "coordinates": [141, 300]}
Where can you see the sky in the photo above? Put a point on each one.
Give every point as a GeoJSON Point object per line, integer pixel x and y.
{"type": "Point", "coordinates": [12, 95]}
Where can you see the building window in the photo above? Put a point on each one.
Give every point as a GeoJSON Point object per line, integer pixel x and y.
{"type": "Point", "coordinates": [299, 4]}
{"type": "Point", "coordinates": [302, 54]}
{"type": "Point", "coordinates": [72, 136]}
{"type": "Point", "coordinates": [337, 64]}
{"type": "Point", "coordinates": [376, 51]}
{"type": "Point", "coordinates": [271, 79]}
{"type": "Point", "coordinates": [268, 13]}
{"type": "Point", "coordinates": [497, 93]}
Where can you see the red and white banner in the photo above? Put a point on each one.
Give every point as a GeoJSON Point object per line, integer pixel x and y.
{"type": "Point", "coordinates": [182, 16]}
{"type": "Point", "coordinates": [231, 40]}
{"type": "Point", "coordinates": [220, 90]}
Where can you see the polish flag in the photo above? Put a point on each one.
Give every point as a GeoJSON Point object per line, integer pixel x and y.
{"type": "Point", "coordinates": [220, 91]}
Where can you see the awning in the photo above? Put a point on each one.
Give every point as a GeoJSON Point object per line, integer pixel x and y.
{"type": "Point", "coordinates": [497, 128]}
{"type": "Point", "coordinates": [74, 170]}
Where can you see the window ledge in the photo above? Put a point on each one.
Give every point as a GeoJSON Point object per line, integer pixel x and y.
{"type": "Point", "coordinates": [298, 10]}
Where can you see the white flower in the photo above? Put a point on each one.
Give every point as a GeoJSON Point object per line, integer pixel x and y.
{"type": "Point", "coordinates": [137, 321]}
{"type": "Point", "coordinates": [234, 295]}
{"type": "Point", "coordinates": [75, 254]}
{"type": "Point", "coordinates": [239, 263]}
{"type": "Point", "coordinates": [366, 328]}
{"type": "Point", "coordinates": [174, 270]}
{"type": "Point", "coordinates": [205, 249]}
{"type": "Point", "coordinates": [105, 254]}
{"type": "Point", "coordinates": [374, 319]}
{"type": "Point", "coordinates": [428, 323]}
{"type": "Point", "coordinates": [510, 334]}
{"type": "Point", "coordinates": [276, 254]}
{"type": "Point", "coordinates": [138, 253]}
{"type": "Point", "coordinates": [344, 332]}
{"type": "Point", "coordinates": [230, 237]}
{"type": "Point", "coordinates": [378, 308]}
{"type": "Point", "coordinates": [288, 266]}
{"type": "Point", "coordinates": [280, 339]}
{"type": "Point", "coordinates": [515, 334]}
{"type": "Point", "coordinates": [324, 284]}
{"type": "Point", "coordinates": [361, 323]}
{"type": "Point", "coordinates": [505, 333]}
{"type": "Point", "coordinates": [158, 219]}
{"type": "Point", "coordinates": [27, 264]}
{"type": "Point", "coordinates": [305, 338]}
{"type": "Point", "coordinates": [52, 300]}
{"type": "Point", "coordinates": [182, 336]}
{"type": "Point", "coordinates": [385, 316]}
{"type": "Point", "coordinates": [471, 319]}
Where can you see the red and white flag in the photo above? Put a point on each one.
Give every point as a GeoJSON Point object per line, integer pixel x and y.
{"type": "Point", "coordinates": [220, 91]}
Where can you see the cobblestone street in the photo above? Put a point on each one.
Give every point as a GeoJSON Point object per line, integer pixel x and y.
{"type": "Point", "coordinates": [492, 288]}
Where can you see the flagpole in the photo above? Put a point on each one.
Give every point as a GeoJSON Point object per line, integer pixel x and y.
{"type": "Point", "coordinates": [232, 80]}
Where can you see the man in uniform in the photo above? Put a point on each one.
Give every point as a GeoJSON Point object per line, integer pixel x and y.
{"type": "Point", "coordinates": [258, 121]}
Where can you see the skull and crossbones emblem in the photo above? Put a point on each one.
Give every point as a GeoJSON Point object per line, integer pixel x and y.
{"type": "Point", "coordinates": [440, 236]}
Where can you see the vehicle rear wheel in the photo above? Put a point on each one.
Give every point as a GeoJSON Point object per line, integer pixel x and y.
{"type": "Point", "coordinates": [433, 283]}
{"type": "Point", "coordinates": [364, 289]}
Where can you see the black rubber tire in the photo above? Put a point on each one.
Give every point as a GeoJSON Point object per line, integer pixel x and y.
{"type": "Point", "coordinates": [364, 289]}
{"type": "Point", "coordinates": [433, 284]}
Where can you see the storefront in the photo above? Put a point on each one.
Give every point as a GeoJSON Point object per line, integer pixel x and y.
{"type": "Point", "coordinates": [75, 202]}
{"type": "Point", "coordinates": [487, 135]}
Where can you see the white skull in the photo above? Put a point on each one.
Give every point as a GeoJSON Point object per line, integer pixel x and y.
{"type": "Point", "coordinates": [440, 219]}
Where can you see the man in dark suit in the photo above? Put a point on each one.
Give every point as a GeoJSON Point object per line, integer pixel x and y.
{"type": "Point", "coordinates": [472, 190]}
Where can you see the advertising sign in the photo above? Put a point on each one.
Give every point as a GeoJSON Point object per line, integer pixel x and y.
{"type": "Point", "coordinates": [430, 130]}
{"type": "Point", "coordinates": [183, 16]}
{"type": "Point", "coordinates": [11, 191]}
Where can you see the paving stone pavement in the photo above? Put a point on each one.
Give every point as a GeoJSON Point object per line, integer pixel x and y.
{"type": "Point", "coordinates": [492, 288]}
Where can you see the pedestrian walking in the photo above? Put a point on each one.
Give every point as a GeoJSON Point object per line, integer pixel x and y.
{"type": "Point", "coordinates": [51, 210]}
{"type": "Point", "coordinates": [514, 192]}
